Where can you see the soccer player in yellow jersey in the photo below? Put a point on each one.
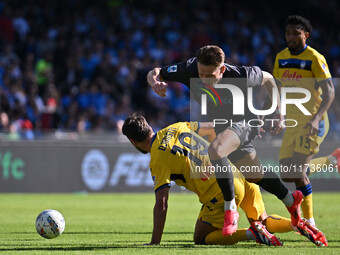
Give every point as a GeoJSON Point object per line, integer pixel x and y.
{"type": "Point", "coordinates": [301, 66]}
{"type": "Point", "coordinates": [180, 155]}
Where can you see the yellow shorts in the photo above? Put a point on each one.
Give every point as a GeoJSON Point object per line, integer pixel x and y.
{"type": "Point", "coordinates": [296, 140]}
{"type": "Point", "coordinates": [247, 196]}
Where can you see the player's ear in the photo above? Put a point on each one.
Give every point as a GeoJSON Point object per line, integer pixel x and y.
{"type": "Point", "coordinates": [223, 68]}
{"type": "Point", "coordinates": [306, 35]}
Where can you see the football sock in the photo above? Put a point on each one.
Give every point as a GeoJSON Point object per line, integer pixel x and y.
{"type": "Point", "coordinates": [230, 205]}
{"type": "Point", "coordinates": [312, 221]}
{"type": "Point", "coordinates": [271, 183]}
{"type": "Point", "coordinates": [216, 237]}
{"type": "Point", "coordinates": [307, 203]}
{"type": "Point", "coordinates": [288, 200]}
{"type": "Point", "coordinates": [224, 177]}
{"type": "Point", "coordinates": [250, 235]}
{"type": "Point", "coordinates": [278, 224]}
{"type": "Point", "coordinates": [317, 164]}
{"type": "Point", "coordinates": [332, 160]}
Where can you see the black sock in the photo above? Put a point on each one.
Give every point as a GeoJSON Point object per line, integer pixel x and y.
{"type": "Point", "coordinates": [224, 177]}
{"type": "Point", "coordinates": [272, 183]}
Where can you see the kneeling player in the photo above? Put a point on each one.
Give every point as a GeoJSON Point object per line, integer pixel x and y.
{"type": "Point", "coordinates": [175, 154]}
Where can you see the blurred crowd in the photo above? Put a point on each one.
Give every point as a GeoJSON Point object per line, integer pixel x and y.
{"type": "Point", "coordinates": [81, 65]}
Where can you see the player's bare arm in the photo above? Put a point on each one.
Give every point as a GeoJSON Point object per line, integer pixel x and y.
{"type": "Point", "coordinates": [156, 82]}
{"type": "Point", "coordinates": [207, 129]}
{"type": "Point", "coordinates": [327, 99]}
{"type": "Point", "coordinates": [269, 83]}
{"type": "Point", "coordinates": [159, 214]}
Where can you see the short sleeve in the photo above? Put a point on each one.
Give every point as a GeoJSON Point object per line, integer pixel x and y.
{"type": "Point", "coordinates": [320, 69]}
{"type": "Point", "coordinates": [160, 175]}
{"type": "Point", "coordinates": [276, 68]}
{"type": "Point", "coordinates": [181, 72]}
{"type": "Point", "coordinates": [254, 76]}
{"type": "Point", "coordinates": [194, 126]}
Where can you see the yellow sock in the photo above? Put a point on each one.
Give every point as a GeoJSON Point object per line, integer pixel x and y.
{"type": "Point", "coordinates": [216, 237]}
{"type": "Point", "coordinates": [278, 224]}
{"type": "Point", "coordinates": [307, 206]}
{"type": "Point", "coordinates": [316, 164]}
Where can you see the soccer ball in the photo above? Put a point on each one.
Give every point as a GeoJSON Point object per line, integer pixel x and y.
{"type": "Point", "coordinates": [50, 224]}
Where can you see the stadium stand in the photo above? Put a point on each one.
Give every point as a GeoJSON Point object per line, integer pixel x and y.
{"type": "Point", "coordinates": [82, 65]}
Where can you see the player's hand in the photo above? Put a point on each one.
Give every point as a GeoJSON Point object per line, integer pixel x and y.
{"type": "Point", "coordinates": [277, 127]}
{"type": "Point", "coordinates": [160, 88]}
{"type": "Point", "coordinates": [261, 131]}
{"type": "Point", "coordinates": [313, 124]}
{"type": "Point", "coordinates": [256, 133]}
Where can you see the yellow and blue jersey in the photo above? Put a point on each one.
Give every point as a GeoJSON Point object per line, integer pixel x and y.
{"type": "Point", "coordinates": [176, 155]}
{"type": "Point", "coordinates": [304, 70]}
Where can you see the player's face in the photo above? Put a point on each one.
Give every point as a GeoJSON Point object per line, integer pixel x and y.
{"type": "Point", "coordinates": [296, 38]}
{"type": "Point", "coordinates": [141, 150]}
{"type": "Point", "coordinates": [210, 74]}
{"type": "Point", "coordinates": [138, 146]}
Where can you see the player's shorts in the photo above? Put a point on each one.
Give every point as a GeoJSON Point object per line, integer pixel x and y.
{"type": "Point", "coordinates": [297, 140]}
{"type": "Point", "coordinates": [246, 134]}
{"type": "Point", "coordinates": [247, 196]}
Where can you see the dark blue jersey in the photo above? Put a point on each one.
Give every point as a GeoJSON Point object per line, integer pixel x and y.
{"type": "Point", "coordinates": [219, 101]}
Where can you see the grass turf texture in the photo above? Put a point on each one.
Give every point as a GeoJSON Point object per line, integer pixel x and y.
{"type": "Point", "coordinates": [122, 223]}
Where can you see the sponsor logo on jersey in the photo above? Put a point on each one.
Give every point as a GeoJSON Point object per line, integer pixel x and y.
{"type": "Point", "coordinates": [288, 76]}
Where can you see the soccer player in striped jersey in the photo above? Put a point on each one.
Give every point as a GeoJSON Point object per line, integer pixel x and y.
{"type": "Point", "coordinates": [301, 66]}
{"type": "Point", "coordinates": [180, 155]}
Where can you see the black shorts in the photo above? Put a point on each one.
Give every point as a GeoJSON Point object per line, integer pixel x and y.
{"type": "Point", "coordinates": [246, 134]}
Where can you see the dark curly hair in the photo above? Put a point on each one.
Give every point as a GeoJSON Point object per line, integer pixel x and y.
{"type": "Point", "coordinates": [136, 127]}
{"type": "Point", "coordinates": [299, 21]}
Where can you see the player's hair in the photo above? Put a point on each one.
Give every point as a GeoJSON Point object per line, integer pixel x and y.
{"type": "Point", "coordinates": [210, 55]}
{"type": "Point", "coordinates": [299, 21]}
{"type": "Point", "coordinates": [136, 127]}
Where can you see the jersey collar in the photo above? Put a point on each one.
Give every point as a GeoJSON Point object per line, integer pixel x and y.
{"type": "Point", "coordinates": [300, 50]}
{"type": "Point", "coordinates": [153, 139]}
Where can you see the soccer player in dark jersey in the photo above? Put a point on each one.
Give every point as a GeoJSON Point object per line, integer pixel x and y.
{"type": "Point", "coordinates": [232, 142]}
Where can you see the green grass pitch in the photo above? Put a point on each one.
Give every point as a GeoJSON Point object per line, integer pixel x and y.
{"type": "Point", "coordinates": [122, 223]}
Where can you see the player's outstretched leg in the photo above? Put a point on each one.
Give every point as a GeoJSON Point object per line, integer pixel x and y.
{"type": "Point", "coordinates": [262, 235]}
{"type": "Point", "coordinates": [278, 224]}
{"type": "Point", "coordinates": [294, 210]}
{"type": "Point", "coordinates": [271, 183]}
{"type": "Point", "coordinates": [312, 233]}
{"type": "Point", "coordinates": [332, 160]}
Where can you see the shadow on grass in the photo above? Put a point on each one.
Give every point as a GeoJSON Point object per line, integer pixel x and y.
{"type": "Point", "coordinates": [166, 244]}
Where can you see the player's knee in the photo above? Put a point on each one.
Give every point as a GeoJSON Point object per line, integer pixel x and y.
{"type": "Point", "coordinates": [199, 239]}
{"type": "Point", "coordinates": [216, 151]}
{"type": "Point", "coordinates": [286, 177]}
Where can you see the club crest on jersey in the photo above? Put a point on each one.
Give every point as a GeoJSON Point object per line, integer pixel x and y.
{"type": "Point", "coordinates": [172, 69]}
{"type": "Point", "coordinates": [303, 64]}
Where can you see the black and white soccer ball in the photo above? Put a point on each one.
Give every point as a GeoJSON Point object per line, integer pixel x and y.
{"type": "Point", "coordinates": [50, 224]}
